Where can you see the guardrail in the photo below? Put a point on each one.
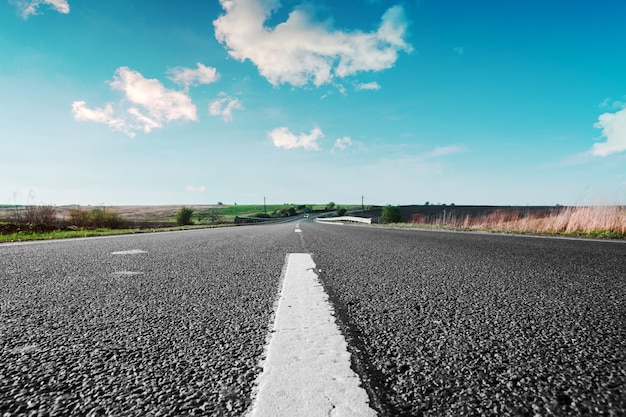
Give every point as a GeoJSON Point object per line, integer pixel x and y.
{"type": "Point", "coordinates": [345, 219]}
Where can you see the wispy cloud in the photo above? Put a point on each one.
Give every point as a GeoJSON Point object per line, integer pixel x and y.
{"type": "Point", "coordinates": [608, 104]}
{"type": "Point", "coordinates": [300, 50]}
{"type": "Point", "coordinates": [28, 8]}
{"type": "Point", "coordinates": [146, 105]}
{"type": "Point", "coordinates": [613, 127]}
{"type": "Point", "coordinates": [459, 51]}
{"type": "Point", "coordinates": [283, 138]}
{"type": "Point", "coordinates": [342, 143]}
{"type": "Point", "coordinates": [224, 106]}
{"type": "Point", "coordinates": [195, 188]}
{"type": "Point", "coordinates": [441, 151]}
{"type": "Point", "coordinates": [191, 77]}
{"type": "Point", "coordinates": [368, 86]}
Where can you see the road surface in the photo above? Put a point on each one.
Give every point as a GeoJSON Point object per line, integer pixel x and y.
{"type": "Point", "coordinates": [436, 323]}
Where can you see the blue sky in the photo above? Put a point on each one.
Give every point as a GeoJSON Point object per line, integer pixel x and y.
{"type": "Point", "coordinates": [448, 101]}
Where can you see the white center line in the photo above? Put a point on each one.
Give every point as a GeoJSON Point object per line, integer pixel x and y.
{"type": "Point", "coordinates": [307, 371]}
{"type": "Point", "coordinates": [129, 252]}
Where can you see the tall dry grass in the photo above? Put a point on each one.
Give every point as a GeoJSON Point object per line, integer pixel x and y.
{"type": "Point", "coordinates": [589, 220]}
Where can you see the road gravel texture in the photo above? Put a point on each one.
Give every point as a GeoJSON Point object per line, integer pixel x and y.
{"type": "Point", "coordinates": [449, 324]}
{"type": "Point", "coordinates": [177, 330]}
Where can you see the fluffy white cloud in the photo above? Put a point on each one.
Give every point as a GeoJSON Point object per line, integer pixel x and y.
{"type": "Point", "coordinates": [192, 77]}
{"type": "Point", "coordinates": [283, 138]}
{"type": "Point", "coordinates": [300, 50]}
{"type": "Point", "coordinates": [105, 115]}
{"type": "Point", "coordinates": [368, 86]}
{"type": "Point", "coordinates": [224, 106]}
{"type": "Point", "coordinates": [28, 8]}
{"type": "Point", "coordinates": [342, 143]}
{"type": "Point", "coordinates": [147, 104]}
{"type": "Point", "coordinates": [613, 127]}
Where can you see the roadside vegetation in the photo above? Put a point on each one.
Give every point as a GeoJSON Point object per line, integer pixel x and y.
{"type": "Point", "coordinates": [37, 222]}
{"type": "Point", "coordinates": [31, 222]}
{"type": "Point", "coordinates": [587, 221]}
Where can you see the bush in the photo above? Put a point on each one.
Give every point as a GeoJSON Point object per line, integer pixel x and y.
{"type": "Point", "coordinates": [183, 217]}
{"type": "Point", "coordinates": [40, 215]}
{"type": "Point", "coordinates": [78, 217]}
{"type": "Point", "coordinates": [96, 219]}
{"type": "Point", "coordinates": [390, 214]}
{"type": "Point", "coordinates": [341, 212]}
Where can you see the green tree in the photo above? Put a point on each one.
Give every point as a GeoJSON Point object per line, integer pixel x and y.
{"type": "Point", "coordinates": [330, 206]}
{"type": "Point", "coordinates": [341, 212]}
{"type": "Point", "coordinates": [390, 214]}
{"type": "Point", "coordinates": [183, 217]}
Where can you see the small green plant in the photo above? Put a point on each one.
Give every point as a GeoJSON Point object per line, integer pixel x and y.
{"type": "Point", "coordinates": [330, 206]}
{"type": "Point", "coordinates": [183, 217]}
{"type": "Point", "coordinates": [390, 214]}
{"type": "Point", "coordinates": [341, 212]}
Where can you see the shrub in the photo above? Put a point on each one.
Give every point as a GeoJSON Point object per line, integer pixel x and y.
{"type": "Point", "coordinates": [341, 212]}
{"type": "Point", "coordinates": [96, 218]}
{"type": "Point", "coordinates": [40, 215]}
{"type": "Point", "coordinates": [183, 217]}
{"type": "Point", "coordinates": [78, 217]}
{"type": "Point", "coordinates": [330, 206]}
{"type": "Point", "coordinates": [390, 214]}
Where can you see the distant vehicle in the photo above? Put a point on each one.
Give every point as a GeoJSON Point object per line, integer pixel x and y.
{"type": "Point", "coordinates": [306, 215]}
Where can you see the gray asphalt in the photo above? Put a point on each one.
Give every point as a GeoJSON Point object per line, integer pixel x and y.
{"type": "Point", "coordinates": [439, 323]}
{"type": "Point", "coordinates": [449, 324]}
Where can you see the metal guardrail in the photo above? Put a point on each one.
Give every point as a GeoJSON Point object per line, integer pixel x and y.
{"type": "Point", "coordinates": [345, 219]}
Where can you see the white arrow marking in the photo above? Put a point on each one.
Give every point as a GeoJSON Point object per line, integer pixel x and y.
{"type": "Point", "coordinates": [307, 367]}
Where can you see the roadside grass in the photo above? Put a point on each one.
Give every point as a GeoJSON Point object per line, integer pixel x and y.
{"type": "Point", "coordinates": [588, 221]}
{"type": "Point", "coordinates": [68, 234]}
{"type": "Point", "coordinates": [83, 226]}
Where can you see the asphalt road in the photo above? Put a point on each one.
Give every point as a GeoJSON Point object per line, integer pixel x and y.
{"type": "Point", "coordinates": [438, 323]}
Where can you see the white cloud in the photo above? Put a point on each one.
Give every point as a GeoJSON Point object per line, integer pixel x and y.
{"type": "Point", "coordinates": [192, 77]}
{"type": "Point", "coordinates": [608, 104]}
{"type": "Point", "coordinates": [368, 86]}
{"type": "Point", "coordinates": [300, 50]}
{"type": "Point", "coordinates": [283, 138]}
{"type": "Point", "coordinates": [342, 143]}
{"type": "Point", "coordinates": [224, 107]}
{"type": "Point", "coordinates": [195, 188]}
{"type": "Point", "coordinates": [105, 115]}
{"type": "Point", "coordinates": [440, 151]}
{"type": "Point", "coordinates": [613, 127]}
{"type": "Point", "coordinates": [147, 104]}
{"type": "Point", "coordinates": [28, 8]}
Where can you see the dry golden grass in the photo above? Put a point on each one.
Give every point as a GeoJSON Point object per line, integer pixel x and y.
{"type": "Point", "coordinates": [609, 221]}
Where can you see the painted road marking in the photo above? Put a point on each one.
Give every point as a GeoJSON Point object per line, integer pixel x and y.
{"type": "Point", "coordinates": [307, 371]}
{"type": "Point", "coordinates": [129, 252]}
{"type": "Point", "coordinates": [127, 273]}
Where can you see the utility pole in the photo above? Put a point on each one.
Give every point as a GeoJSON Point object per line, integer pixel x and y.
{"type": "Point", "coordinates": [362, 206]}
{"type": "Point", "coordinates": [264, 206]}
